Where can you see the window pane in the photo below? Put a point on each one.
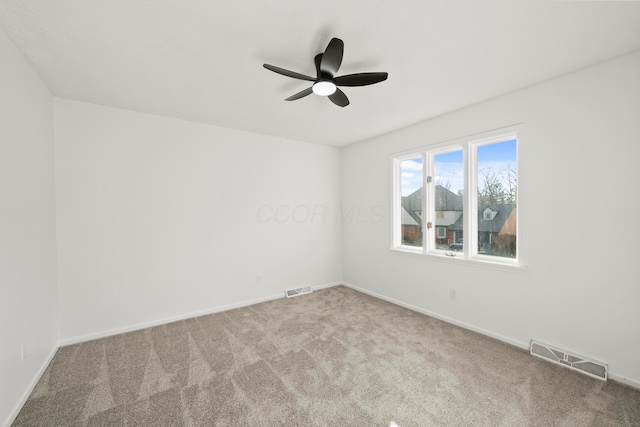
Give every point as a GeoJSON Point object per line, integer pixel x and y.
{"type": "Point", "coordinates": [411, 189]}
{"type": "Point", "coordinates": [497, 199]}
{"type": "Point", "coordinates": [449, 181]}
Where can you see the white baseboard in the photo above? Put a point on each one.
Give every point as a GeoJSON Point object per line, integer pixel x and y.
{"type": "Point", "coordinates": [149, 324]}
{"type": "Point", "coordinates": [525, 346]}
{"type": "Point", "coordinates": [464, 325]}
{"type": "Point", "coordinates": [162, 321]}
{"type": "Point", "coordinates": [16, 410]}
{"type": "Point", "coordinates": [626, 381]}
{"type": "Point", "coordinates": [325, 286]}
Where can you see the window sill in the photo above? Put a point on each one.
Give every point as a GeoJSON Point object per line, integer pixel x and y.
{"type": "Point", "coordinates": [459, 260]}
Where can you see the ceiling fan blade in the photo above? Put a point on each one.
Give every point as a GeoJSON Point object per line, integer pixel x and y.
{"type": "Point", "coordinates": [318, 60]}
{"type": "Point", "coordinates": [332, 57]}
{"type": "Point", "coordinates": [360, 79]}
{"type": "Point", "coordinates": [288, 73]}
{"type": "Point", "coordinates": [339, 98]}
{"type": "Point", "coordinates": [300, 94]}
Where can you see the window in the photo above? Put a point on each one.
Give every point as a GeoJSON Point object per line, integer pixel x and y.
{"type": "Point", "coordinates": [461, 200]}
{"type": "Point", "coordinates": [411, 207]}
{"type": "Point", "coordinates": [489, 214]}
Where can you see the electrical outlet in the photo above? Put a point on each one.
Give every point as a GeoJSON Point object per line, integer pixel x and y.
{"type": "Point", "coordinates": [258, 280]}
{"type": "Point", "coordinates": [23, 353]}
{"type": "Point", "coordinates": [453, 295]}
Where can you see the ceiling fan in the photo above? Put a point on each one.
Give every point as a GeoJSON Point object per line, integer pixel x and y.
{"type": "Point", "coordinates": [325, 82]}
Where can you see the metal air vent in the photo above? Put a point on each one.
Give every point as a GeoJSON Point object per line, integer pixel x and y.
{"type": "Point", "coordinates": [290, 293]}
{"type": "Point", "coordinates": [570, 360]}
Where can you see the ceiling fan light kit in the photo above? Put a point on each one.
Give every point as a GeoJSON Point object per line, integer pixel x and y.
{"type": "Point", "coordinates": [325, 82]}
{"type": "Point", "coordinates": [324, 88]}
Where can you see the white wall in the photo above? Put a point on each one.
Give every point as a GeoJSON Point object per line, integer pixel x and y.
{"type": "Point", "coordinates": [27, 228]}
{"type": "Point", "coordinates": [160, 218]}
{"type": "Point", "coordinates": [582, 288]}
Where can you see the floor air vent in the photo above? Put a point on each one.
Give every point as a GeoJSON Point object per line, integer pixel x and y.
{"type": "Point", "coordinates": [290, 293]}
{"type": "Point", "coordinates": [578, 363]}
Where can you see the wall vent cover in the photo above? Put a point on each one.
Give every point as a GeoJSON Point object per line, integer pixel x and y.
{"type": "Point", "coordinates": [290, 293]}
{"type": "Point", "coordinates": [583, 364]}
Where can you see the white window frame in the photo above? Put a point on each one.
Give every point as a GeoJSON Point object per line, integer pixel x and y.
{"type": "Point", "coordinates": [469, 255]}
{"type": "Point", "coordinates": [396, 222]}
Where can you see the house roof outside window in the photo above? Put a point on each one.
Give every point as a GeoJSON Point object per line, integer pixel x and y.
{"type": "Point", "coordinates": [492, 225]}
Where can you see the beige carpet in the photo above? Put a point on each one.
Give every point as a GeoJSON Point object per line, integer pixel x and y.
{"type": "Point", "coordinates": [335, 357]}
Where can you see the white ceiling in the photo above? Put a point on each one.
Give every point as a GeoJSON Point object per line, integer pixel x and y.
{"type": "Point", "coordinates": [201, 60]}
